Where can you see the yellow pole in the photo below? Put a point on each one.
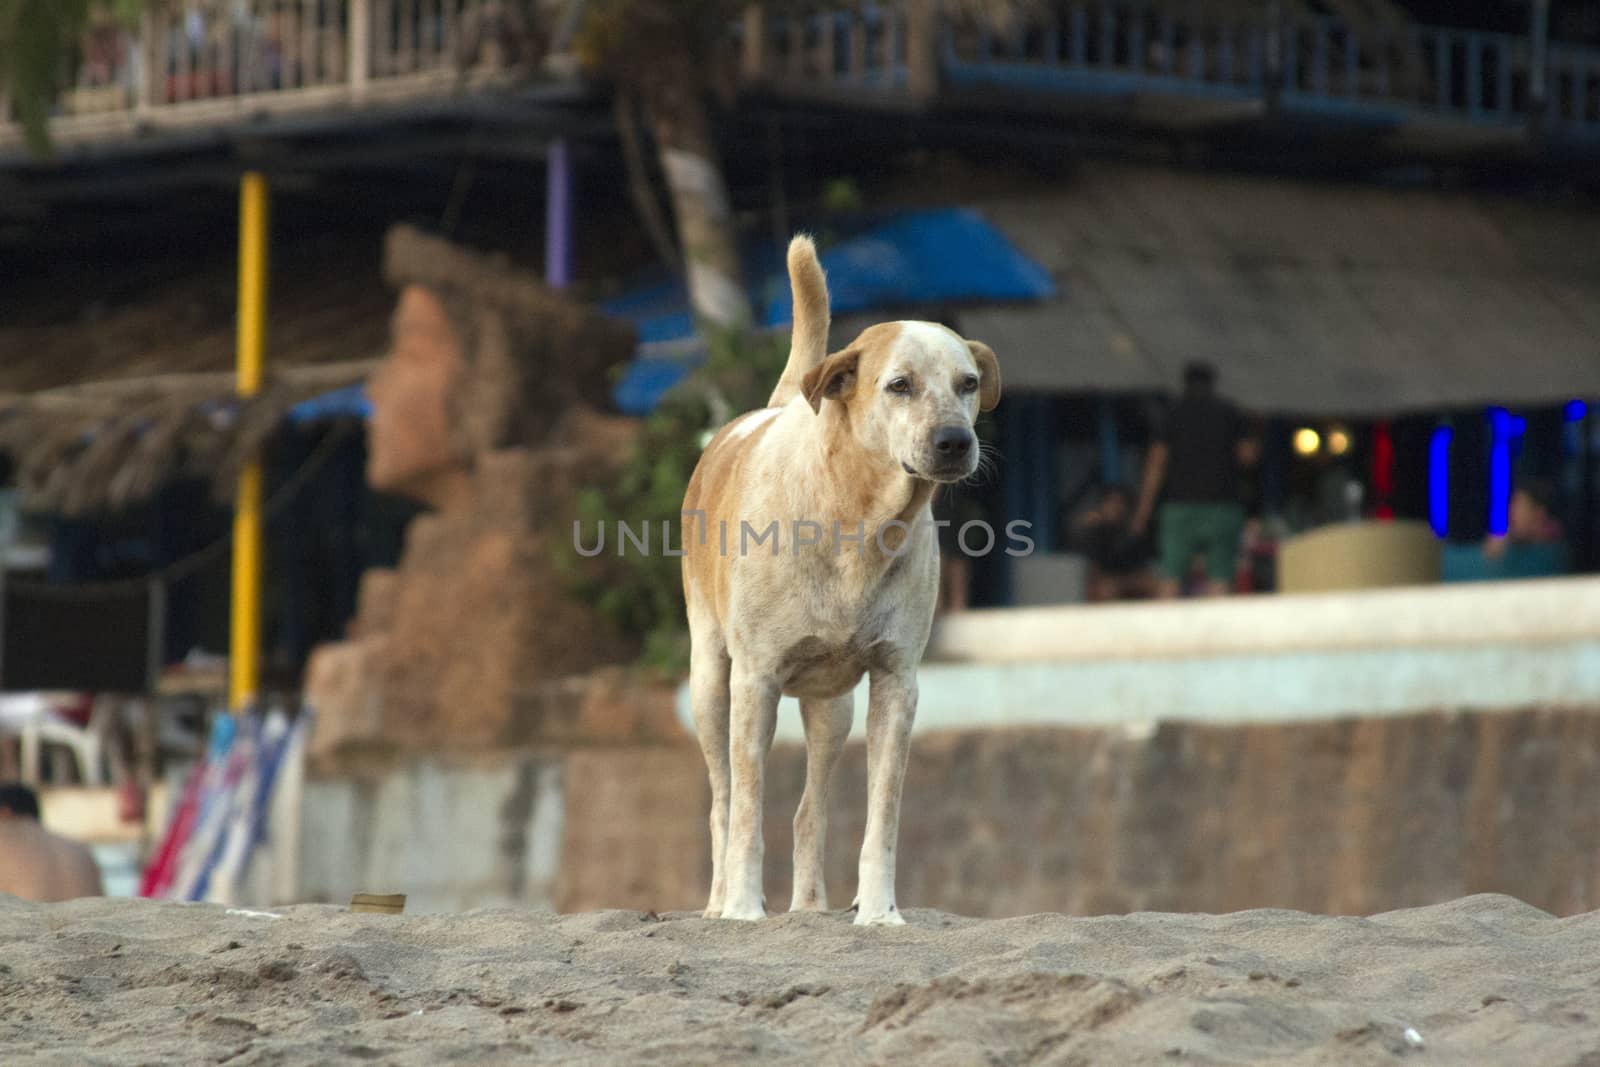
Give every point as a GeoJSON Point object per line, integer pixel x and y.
{"type": "Point", "coordinates": [244, 656]}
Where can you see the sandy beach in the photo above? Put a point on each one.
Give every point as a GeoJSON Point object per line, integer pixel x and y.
{"type": "Point", "coordinates": [1481, 980]}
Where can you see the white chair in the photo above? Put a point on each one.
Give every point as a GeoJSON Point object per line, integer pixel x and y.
{"type": "Point", "coordinates": [36, 719]}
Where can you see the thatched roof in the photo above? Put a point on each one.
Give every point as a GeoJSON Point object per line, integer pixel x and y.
{"type": "Point", "coordinates": [97, 413]}
{"type": "Point", "coordinates": [107, 445]}
{"type": "Point", "coordinates": [327, 305]}
{"type": "Point", "coordinates": [101, 405]}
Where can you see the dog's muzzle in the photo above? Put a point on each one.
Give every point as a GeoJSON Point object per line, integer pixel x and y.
{"type": "Point", "coordinates": [950, 458]}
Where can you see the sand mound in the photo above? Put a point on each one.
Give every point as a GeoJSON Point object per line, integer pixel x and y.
{"type": "Point", "coordinates": [1484, 979]}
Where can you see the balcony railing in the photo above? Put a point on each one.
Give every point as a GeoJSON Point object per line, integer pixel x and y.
{"type": "Point", "coordinates": [882, 50]}
{"type": "Point", "coordinates": [199, 62]}
{"type": "Point", "coordinates": [1319, 64]}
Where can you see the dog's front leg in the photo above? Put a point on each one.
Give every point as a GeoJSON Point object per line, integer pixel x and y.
{"type": "Point", "coordinates": [891, 709]}
{"type": "Point", "coordinates": [827, 725]}
{"type": "Point", "coordinates": [754, 714]}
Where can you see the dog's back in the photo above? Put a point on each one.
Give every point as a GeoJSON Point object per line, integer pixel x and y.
{"type": "Point", "coordinates": [717, 472]}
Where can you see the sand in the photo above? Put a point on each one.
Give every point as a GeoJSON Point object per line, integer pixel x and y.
{"type": "Point", "coordinates": [1482, 980]}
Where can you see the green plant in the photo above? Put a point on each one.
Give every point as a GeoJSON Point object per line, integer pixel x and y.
{"type": "Point", "coordinates": [841, 196]}
{"type": "Point", "coordinates": [38, 47]}
{"type": "Point", "coordinates": [642, 592]}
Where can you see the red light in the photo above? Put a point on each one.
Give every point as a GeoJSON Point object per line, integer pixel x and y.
{"type": "Point", "coordinates": [1383, 469]}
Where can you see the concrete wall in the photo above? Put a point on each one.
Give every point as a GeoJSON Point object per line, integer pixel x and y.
{"type": "Point", "coordinates": [451, 837]}
{"type": "Point", "coordinates": [1344, 816]}
{"type": "Point", "coordinates": [1260, 752]}
{"type": "Point", "coordinates": [1488, 646]}
{"type": "Point", "coordinates": [566, 830]}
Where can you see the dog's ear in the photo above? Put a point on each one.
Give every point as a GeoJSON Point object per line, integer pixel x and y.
{"type": "Point", "coordinates": [988, 375]}
{"type": "Point", "coordinates": [833, 377]}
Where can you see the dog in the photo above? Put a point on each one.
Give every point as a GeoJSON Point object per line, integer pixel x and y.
{"type": "Point", "coordinates": [843, 462]}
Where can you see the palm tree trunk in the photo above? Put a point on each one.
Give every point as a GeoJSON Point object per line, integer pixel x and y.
{"type": "Point", "coordinates": [678, 117]}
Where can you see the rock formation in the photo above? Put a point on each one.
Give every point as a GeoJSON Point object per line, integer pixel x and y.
{"type": "Point", "coordinates": [485, 410]}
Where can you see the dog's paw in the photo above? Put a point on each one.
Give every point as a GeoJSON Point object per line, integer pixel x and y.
{"type": "Point", "coordinates": [891, 917]}
{"type": "Point", "coordinates": [750, 912]}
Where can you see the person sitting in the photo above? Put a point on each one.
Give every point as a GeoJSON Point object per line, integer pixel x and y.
{"type": "Point", "coordinates": [36, 864]}
{"type": "Point", "coordinates": [1119, 562]}
{"type": "Point", "coordinates": [1533, 543]}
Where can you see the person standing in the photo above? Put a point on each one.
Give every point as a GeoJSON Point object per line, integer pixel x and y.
{"type": "Point", "coordinates": [1196, 457]}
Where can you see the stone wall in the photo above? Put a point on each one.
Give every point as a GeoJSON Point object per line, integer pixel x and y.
{"type": "Point", "coordinates": [1346, 817]}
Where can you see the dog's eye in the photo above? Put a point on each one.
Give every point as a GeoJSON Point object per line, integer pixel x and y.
{"type": "Point", "coordinates": [899, 386]}
{"type": "Point", "coordinates": [969, 384]}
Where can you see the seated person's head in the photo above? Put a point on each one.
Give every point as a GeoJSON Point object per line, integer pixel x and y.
{"type": "Point", "coordinates": [1530, 517]}
{"type": "Point", "coordinates": [17, 801]}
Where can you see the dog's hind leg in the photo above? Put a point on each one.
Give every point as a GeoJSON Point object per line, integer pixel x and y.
{"type": "Point", "coordinates": [753, 713]}
{"type": "Point", "coordinates": [708, 698]}
{"type": "Point", "coordinates": [827, 724]}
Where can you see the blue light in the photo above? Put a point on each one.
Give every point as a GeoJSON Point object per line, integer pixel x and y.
{"type": "Point", "coordinates": [1500, 430]}
{"type": "Point", "coordinates": [1575, 411]}
{"type": "Point", "coordinates": [1439, 480]}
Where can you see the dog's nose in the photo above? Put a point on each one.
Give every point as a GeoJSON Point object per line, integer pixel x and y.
{"type": "Point", "coordinates": [952, 442]}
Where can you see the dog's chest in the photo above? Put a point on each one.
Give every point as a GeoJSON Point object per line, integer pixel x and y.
{"type": "Point", "coordinates": [817, 621]}
{"type": "Point", "coordinates": [818, 667]}
{"type": "Point", "coordinates": [828, 643]}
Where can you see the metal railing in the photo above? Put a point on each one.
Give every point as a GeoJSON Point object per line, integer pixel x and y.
{"type": "Point", "coordinates": [200, 62]}
{"type": "Point", "coordinates": [1119, 41]}
{"type": "Point", "coordinates": [1317, 63]}
{"type": "Point", "coordinates": [882, 49]}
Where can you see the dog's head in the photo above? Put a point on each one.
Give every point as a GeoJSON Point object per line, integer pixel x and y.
{"type": "Point", "coordinates": [910, 392]}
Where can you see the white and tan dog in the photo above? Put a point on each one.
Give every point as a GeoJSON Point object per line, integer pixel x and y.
{"type": "Point", "coordinates": [843, 462]}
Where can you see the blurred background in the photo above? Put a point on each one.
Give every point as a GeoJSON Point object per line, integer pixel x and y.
{"type": "Point", "coordinates": [332, 333]}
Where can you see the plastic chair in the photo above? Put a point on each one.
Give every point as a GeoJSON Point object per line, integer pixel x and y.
{"type": "Point", "coordinates": [36, 719]}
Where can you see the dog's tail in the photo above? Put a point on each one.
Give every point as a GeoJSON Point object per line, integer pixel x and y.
{"type": "Point", "coordinates": [809, 345]}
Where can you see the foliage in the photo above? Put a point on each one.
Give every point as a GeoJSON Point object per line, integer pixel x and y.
{"type": "Point", "coordinates": [630, 39]}
{"type": "Point", "coordinates": [643, 592]}
{"type": "Point", "coordinates": [841, 196]}
{"type": "Point", "coordinates": [38, 47]}
{"type": "Point", "coordinates": [645, 41]}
